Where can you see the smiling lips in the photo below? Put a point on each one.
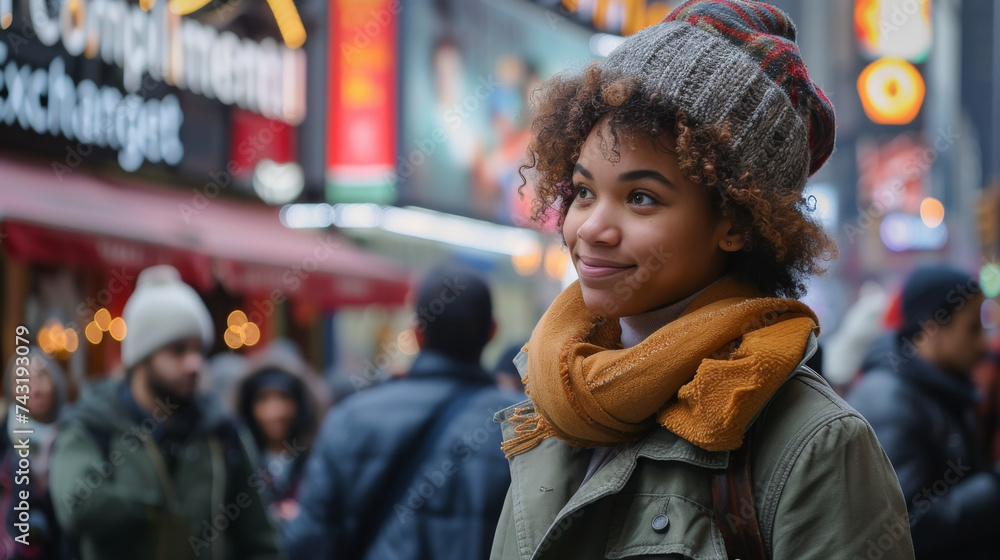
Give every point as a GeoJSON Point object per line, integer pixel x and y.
{"type": "Point", "coordinates": [600, 268]}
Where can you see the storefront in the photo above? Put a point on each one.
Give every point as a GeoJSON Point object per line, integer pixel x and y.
{"type": "Point", "coordinates": [130, 138]}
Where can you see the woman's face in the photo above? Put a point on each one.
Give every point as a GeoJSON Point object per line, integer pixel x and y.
{"type": "Point", "coordinates": [274, 412]}
{"type": "Point", "coordinates": [42, 392]}
{"type": "Point", "coordinates": [640, 234]}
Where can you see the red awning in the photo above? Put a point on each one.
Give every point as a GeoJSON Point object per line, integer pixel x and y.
{"type": "Point", "coordinates": [78, 219]}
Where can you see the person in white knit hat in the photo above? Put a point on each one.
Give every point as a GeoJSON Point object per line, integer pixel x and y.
{"type": "Point", "coordinates": [147, 467]}
{"type": "Point", "coordinates": [169, 329]}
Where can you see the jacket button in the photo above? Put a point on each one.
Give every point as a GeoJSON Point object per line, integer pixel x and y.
{"type": "Point", "coordinates": [661, 523]}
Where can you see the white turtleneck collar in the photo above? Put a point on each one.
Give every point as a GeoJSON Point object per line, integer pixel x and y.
{"type": "Point", "coordinates": [636, 328]}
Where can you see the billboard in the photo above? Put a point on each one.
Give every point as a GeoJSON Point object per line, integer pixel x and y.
{"type": "Point", "coordinates": [466, 71]}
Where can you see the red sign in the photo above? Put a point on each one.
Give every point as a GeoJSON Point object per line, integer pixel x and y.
{"type": "Point", "coordinates": [361, 112]}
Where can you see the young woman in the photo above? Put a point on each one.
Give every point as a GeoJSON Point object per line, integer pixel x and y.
{"type": "Point", "coordinates": [280, 401]}
{"type": "Point", "coordinates": [669, 414]}
{"type": "Point", "coordinates": [45, 384]}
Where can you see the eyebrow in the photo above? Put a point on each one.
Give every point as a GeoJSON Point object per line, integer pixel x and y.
{"type": "Point", "coordinates": [630, 176]}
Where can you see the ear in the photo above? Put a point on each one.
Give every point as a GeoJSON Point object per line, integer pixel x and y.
{"type": "Point", "coordinates": [493, 330]}
{"type": "Point", "coordinates": [730, 240]}
{"type": "Point", "coordinates": [419, 335]}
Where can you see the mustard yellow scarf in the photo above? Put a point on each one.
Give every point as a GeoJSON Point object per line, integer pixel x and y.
{"type": "Point", "coordinates": [702, 376]}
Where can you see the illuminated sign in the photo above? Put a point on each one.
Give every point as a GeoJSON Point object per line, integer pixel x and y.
{"type": "Point", "coordinates": [623, 17]}
{"type": "Point", "coordinates": [139, 129]}
{"type": "Point", "coordinates": [361, 111]}
{"type": "Point", "coordinates": [263, 77]}
{"type": "Point", "coordinates": [904, 232]}
{"type": "Point", "coordinates": [900, 28]}
{"type": "Point", "coordinates": [891, 91]}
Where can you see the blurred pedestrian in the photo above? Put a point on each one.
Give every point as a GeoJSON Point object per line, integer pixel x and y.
{"type": "Point", "coordinates": [862, 323]}
{"type": "Point", "coordinates": [986, 376]}
{"type": "Point", "coordinates": [279, 402]}
{"type": "Point", "coordinates": [146, 467]}
{"type": "Point", "coordinates": [506, 372]}
{"type": "Point", "coordinates": [412, 468]}
{"type": "Point", "coordinates": [41, 385]}
{"type": "Point", "coordinates": [670, 414]}
{"type": "Point", "coordinates": [918, 396]}
{"type": "Point", "coordinates": [224, 371]}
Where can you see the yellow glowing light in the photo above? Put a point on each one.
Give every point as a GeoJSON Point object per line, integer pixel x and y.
{"type": "Point", "coordinates": [891, 90]}
{"type": "Point", "coordinates": [185, 7]}
{"type": "Point", "coordinates": [147, 5]}
{"type": "Point", "coordinates": [233, 338]}
{"type": "Point", "coordinates": [931, 212]}
{"type": "Point", "coordinates": [59, 338]}
{"type": "Point", "coordinates": [103, 319]}
{"type": "Point", "coordinates": [555, 262]}
{"type": "Point", "coordinates": [528, 259]}
{"type": "Point", "coordinates": [45, 340]}
{"type": "Point", "coordinates": [289, 22]}
{"type": "Point", "coordinates": [237, 319]}
{"type": "Point", "coordinates": [117, 329]}
{"type": "Point", "coordinates": [407, 342]}
{"type": "Point", "coordinates": [93, 333]}
{"type": "Point", "coordinates": [251, 334]}
{"type": "Point", "coordinates": [72, 341]}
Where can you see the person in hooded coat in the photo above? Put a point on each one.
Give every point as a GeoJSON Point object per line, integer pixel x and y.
{"type": "Point", "coordinates": [280, 401]}
{"type": "Point", "coordinates": [37, 378]}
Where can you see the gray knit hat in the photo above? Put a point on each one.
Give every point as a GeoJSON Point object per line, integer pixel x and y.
{"type": "Point", "coordinates": [161, 310]}
{"type": "Point", "coordinates": [736, 62]}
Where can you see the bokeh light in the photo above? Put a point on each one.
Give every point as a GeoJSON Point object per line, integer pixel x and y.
{"type": "Point", "coordinates": [236, 318]}
{"type": "Point", "coordinates": [989, 280]}
{"type": "Point", "coordinates": [93, 332]}
{"type": "Point", "coordinates": [117, 329]}
{"type": "Point", "coordinates": [931, 212]}
{"type": "Point", "coordinates": [103, 319]}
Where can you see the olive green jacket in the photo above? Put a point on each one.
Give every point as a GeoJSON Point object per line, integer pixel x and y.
{"type": "Point", "coordinates": [823, 488]}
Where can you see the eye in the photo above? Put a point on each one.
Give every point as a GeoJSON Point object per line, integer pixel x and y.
{"type": "Point", "coordinates": [178, 348]}
{"type": "Point", "coordinates": [641, 199]}
{"type": "Point", "coordinates": [583, 193]}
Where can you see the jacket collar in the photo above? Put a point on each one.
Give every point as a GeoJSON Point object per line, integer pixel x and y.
{"type": "Point", "coordinates": [434, 364]}
{"type": "Point", "coordinates": [545, 480]}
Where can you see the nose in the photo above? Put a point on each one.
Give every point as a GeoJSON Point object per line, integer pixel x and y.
{"type": "Point", "coordinates": [193, 361]}
{"type": "Point", "coordinates": [601, 226]}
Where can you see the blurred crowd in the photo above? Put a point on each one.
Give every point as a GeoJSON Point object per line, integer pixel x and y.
{"type": "Point", "coordinates": [257, 457]}
{"type": "Point", "coordinates": [186, 456]}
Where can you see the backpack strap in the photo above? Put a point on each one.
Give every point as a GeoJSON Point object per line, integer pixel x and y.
{"type": "Point", "coordinates": [403, 467]}
{"type": "Point", "coordinates": [732, 497]}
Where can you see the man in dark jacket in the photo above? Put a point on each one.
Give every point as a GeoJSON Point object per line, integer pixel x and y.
{"type": "Point", "coordinates": [412, 469]}
{"type": "Point", "coordinates": [918, 396]}
{"type": "Point", "coordinates": [147, 468]}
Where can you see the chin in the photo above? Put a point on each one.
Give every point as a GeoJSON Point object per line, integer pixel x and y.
{"type": "Point", "coordinates": [601, 302]}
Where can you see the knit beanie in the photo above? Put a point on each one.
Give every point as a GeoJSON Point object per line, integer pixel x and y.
{"type": "Point", "coordinates": [934, 293]}
{"type": "Point", "coordinates": [735, 62]}
{"type": "Point", "coordinates": [161, 310]}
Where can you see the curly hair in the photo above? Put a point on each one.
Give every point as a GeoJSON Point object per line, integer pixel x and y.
{"type": "Point", "coordinates": [782, 244]}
